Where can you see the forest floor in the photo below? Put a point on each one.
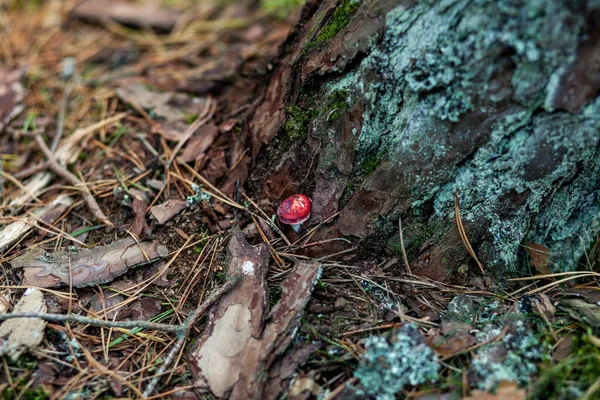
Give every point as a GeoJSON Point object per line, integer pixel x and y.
{"type": "Point", "coordinates": [122, 170]}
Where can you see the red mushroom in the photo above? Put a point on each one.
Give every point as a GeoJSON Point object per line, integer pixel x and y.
{"type": "Point", "coordinates": [294, 210]}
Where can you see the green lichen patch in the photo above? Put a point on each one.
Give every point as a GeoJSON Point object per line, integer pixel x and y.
{"type": "Point", "coordinates": [296, 127]}
{"type": "Point", "coordinates": [340, 19]}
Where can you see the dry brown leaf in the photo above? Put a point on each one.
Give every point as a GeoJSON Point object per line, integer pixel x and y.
{"type": "Point", "coordinates": [19, 335]}
{"type": "Point", "coordinates": [86, 267]}
{"type": "Point", "coordinates": [139, 204]}
{"type": "Point", "coordinates": [197, 146]}
{"type": "Point", "coordinates": [167, 210]}
{"type": "Point", "coordinates": [505, 391]}
{"type": "Point", "coordinates": [453, 339]}
{"type": "Point", "coordinates": [563, 348]}
{"type": "Point", "coordinates": [540, 257]}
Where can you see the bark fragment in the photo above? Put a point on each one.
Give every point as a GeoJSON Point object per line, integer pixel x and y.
{"type": "Point", "coordinates": [86, 267]}
{"type": "Point", "coordinates": [242, 342]}
{"type": "Point", "coordinates": [21, 334]}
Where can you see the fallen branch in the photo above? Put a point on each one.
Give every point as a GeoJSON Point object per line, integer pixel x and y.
{"type": "Point", "coordinates": [185, 327]}
{"type": "Point", "coordinates": [73, 180]}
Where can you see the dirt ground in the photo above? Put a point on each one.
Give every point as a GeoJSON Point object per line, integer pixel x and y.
{"type": "Point", "coordinates": [123, 161]}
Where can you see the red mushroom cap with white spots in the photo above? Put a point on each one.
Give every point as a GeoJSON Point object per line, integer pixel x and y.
{"type": "Point", "coordinates": [294, 210]}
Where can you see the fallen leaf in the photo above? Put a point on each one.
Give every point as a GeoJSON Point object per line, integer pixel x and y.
{"type": "Point", "coordinates": [241, 342]}
{"type": "Point", "coordinates": [126, 13]}
{"type": "Point", "coordinates": [86, 267]}
{"type": "Point", "coordinates": [165, 211]}
{"type": "Point", "coordinates": [151, 100]}
{"type": "Point", "coordinates": [453, 338]}
{"type": "Point", "coordinates": [142, 309]}
{"type": "Point", "coordinates": [563, 348]}
{"type": "Point", "coordinates": [199, 143]}
{"type": "Point", "coordinates": [139, 204]}
{"type": "Point", "coordinates": [505, 391]}
{"type": "Point", "coordinates": [19, 335]}
{"type": "Point", "coordinates": [540, 257]}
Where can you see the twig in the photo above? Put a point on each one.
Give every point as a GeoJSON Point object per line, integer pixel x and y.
{"type": "Point", "coordinates": [463, 234]}
{"type": "Point", "coordinates": [185, 327]}
{"type": "Point", "coordinates": [72, 179]}
{"type": "Point", "coordinates": [95, 322]}
{"type": "Point", "coordinates": [404, 256]}
{"type": "Point", "coordinates": [61, 116]}
{"type": "Point", "coordinates": [185, 331]}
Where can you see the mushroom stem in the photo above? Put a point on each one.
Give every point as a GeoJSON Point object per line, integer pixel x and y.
{"type": "Point", "coordinates": [296, 227]}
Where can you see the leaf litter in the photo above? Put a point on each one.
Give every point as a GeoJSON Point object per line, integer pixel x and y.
{"type": "Point", "coordinates": [156, 107]}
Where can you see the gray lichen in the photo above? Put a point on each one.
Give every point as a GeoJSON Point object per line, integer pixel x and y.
{"type": "Point", "coordinates": [514, 358]}
{"type": "Point", "coordinates": [388, 366]}
{"type": "Point", "coordinates": [438, 63]}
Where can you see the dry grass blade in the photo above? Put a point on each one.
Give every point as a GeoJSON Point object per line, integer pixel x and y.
{"type": "Point", "coordinates": [404, 257]}
{"type": "Point", "coordinates": [463, 234]}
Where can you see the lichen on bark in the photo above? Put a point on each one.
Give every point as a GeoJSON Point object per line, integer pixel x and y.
{"type": "Point", "coordinates": [463, 94]}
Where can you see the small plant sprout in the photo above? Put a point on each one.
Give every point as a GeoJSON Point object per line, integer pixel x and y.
{"type": "Point", "coordinates": [294, 211]}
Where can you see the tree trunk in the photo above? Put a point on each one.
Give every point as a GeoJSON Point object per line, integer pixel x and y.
{"type": "Point", "coordinates": [383, 110]}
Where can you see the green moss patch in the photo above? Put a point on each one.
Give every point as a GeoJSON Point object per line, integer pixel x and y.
{"type": "Point", "coordinates": [340, 19]}
{"type": "Point", "coordinates": [296, 128]}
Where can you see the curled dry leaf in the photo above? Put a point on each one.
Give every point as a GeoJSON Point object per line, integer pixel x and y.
{"type": "Point", "coordinates": [19, 335]}
{"type": "Point", "coordinates": [237, 349]}
{"type": "Point", "coordinates": [540, 258]}
{"type": "Point", "coordinates": [86, 267]}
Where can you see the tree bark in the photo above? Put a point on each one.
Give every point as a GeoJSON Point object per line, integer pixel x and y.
{"type": "Point", "coordinates": [384, 109]}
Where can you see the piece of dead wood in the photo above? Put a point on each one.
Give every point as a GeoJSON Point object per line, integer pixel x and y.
{"type": "Point", "coordinates": [165, 211]}
{"type": "Point", "coordinates": [22, 334]}
{"type": "Point", "coordinates": [242, 342]}
{"type": "Point", "coordinates": [13, 232]}
{"type": "Point", "coordinates": [73, 180]}
{"type": "Point", "coordinates": [11, 95]}
{"type": "Point", "coordinates": [126, 13]}
{"type": "Point", "coordinates": [86, 267]}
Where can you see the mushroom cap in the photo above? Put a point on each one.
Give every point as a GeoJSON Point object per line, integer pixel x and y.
{"type": "Point", "coordinates": [294, 210]}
